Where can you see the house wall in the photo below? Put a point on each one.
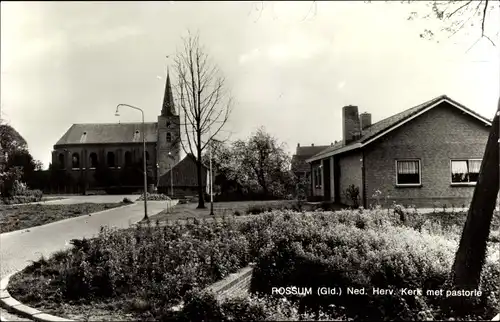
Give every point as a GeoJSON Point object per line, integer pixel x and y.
{"type": "Point", "coordinates": [350, 173]}
{"type": "Point", "coordinates": [435, 137]}
{"type": "Point", "coordinates": [332, 180]}
{"type": "Point", "coordinates": [101, 150]}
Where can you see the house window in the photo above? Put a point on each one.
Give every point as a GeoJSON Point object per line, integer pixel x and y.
{"type": "Point", "coordinates": [75, 161]}
{"type": "Point", "coordinates": [128, 159]}
{"type": "Point", "coordinates": [169, 137]}
{"type": "Point", "coordinates": [93, 160]}
{"type": "Point", "coordinates": [465, 171]}
{"type": "Point", "coordinates": [408, 172]}
{"type": "Point", "coordinates": [61, 161]}
{"type": "Point", "coordinates": [111, 159]}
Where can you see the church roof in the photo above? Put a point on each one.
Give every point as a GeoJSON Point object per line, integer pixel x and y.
{"type": "Point", "coordinates": [168, 107]}
{"type": "Point", "coordinates": [99, 133]}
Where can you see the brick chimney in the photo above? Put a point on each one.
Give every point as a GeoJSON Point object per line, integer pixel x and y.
{"type": "Point", "coordinates": [365, 119]}
{"type": "Point", "coordinates": [351, 129]}
{"type": "Point", "coordinates": [298, 145]}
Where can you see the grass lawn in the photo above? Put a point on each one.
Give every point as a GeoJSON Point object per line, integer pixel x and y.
{"type": "Point", "coordinates": [188, 211]}
{"type": "Point", "coordinates": [26, 216]}
{"type": "Point", "coordinates": [232, 208]}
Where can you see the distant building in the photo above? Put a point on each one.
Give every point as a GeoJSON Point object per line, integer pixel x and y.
{"type": "Point", "coordinates": [299, 165]}
{"type": "Point", "coordinates": [428, 155]}
{"type": "Point", "coordinates": [184, 178]}
{"type": "Point", "coordinates": [118, 148]}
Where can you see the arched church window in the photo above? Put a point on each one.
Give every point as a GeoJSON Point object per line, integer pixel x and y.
{"type": "Point", "coordinates": [75, 161]}
{"type": "Point", "coordinates": [93, 160]}
{"type": "Point", "coordinates": [169, 137]}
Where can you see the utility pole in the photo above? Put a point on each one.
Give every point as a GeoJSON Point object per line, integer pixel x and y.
{"type": "Point", "coordinates": [211, 175]}
{"type": "Point", "coordinates": [146, 218]}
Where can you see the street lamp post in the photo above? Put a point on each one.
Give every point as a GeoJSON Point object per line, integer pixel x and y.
{"type": "Point", "coordinates": [171, 176]}
{"type": "Point", "coordinates": [211, 176]}
{"type": "Point", "coordinates": [143, 155]}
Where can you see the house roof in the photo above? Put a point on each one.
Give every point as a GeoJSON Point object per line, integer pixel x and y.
{"type": "Point", "coordinates": [97, 133]}
{"type": "Point", "coordinates": [184, 174]}
{"type": "Point", "coordinates": [303, 153]}
{"type": "Point", "coordinates": [389, 124]}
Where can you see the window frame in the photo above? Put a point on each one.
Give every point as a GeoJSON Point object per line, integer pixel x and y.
{"type": "Point", "coordinates": [419, 184]}
{"type": "Point", "coordinates": [468, 183]}
{"type": "Point", "coordinates": [78, 161]}
{"type": "Point", "coordinates": [168, 137]}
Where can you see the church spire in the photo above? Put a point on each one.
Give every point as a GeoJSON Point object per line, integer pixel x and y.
{"type": "Point", "coordinates": [168, 108]}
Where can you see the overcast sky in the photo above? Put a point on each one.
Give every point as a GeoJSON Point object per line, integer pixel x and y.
{"type": "Point", "coordinates": [291, 66]}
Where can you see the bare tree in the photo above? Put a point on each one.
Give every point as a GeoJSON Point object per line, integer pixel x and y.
{"type": "Point", "coordinates": [204, 101]}
{"type": "Point", "coordinates": [457, 17]}
{"type": "Point", "coordinates": [460, 16]}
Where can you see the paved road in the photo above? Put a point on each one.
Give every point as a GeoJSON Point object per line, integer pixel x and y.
{"type": "Point", "coordinates": [18, 248]}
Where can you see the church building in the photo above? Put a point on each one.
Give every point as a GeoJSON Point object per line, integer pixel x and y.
{"type": "Point", "coordinates": [109, 156]}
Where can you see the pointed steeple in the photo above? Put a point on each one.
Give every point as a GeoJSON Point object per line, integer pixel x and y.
{"type": "Point", "coordinates": [168, 108]}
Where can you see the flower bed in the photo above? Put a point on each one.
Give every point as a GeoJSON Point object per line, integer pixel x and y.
{"type": "Point", "coordinates": [140, 273]}
{"type": "Point", "coordinates": [144, 271]}
{"type": "Point", "coordinates": [154, 197]}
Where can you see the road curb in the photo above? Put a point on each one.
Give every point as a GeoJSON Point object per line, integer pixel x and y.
{"type": "Point", "coordinates": [14, 306]}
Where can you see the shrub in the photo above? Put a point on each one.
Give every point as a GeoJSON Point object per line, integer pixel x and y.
{"type": "Point", "coordinates": [27, 196]}
{"type": "Point", "coordinates": [353, 249]}
{"type": "Point", "coordinates": [154, 197]}
{"type": "Point", "coordinates": [352, 194]}
{"type": "Point", "coordinates": [127, 200]}
{"type": "Point", "coordinates": [160, 264]}
{"type": "Point", "coordinates": [203, 306]}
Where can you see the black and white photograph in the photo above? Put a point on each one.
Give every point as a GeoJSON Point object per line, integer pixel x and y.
{"type": "Point", "coordinates": [250, 161]}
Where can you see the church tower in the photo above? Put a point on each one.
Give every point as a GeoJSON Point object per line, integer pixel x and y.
{"type": "Point", "coordinates": [169, 132]}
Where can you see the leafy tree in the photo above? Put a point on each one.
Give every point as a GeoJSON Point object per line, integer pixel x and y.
{"type": "Point", "coordinates": [225, 169]}
{"type": "Point", "coordinates": [16, 163]}
{"type": "Point", "coordinates": [263, 164]}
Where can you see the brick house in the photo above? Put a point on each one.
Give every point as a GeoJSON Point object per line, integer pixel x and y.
{"type": "Point", "coordinates": [118, 147]}
{"type": "Point", "coordinates": [428, 155]}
